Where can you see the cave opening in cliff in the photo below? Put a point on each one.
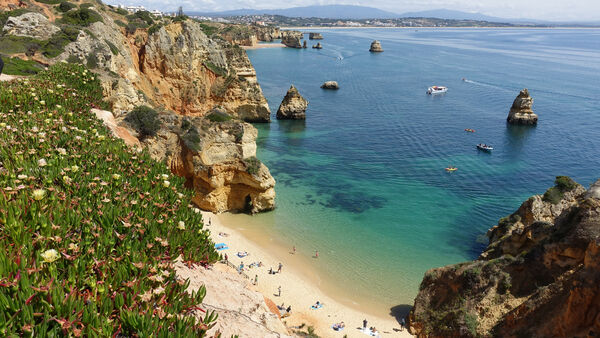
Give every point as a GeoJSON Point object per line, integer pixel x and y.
{"type": "Point", "coordinates": [248, 205]}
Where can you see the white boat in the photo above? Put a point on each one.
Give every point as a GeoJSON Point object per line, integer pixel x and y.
{"type": "Point", "coordinates": [484, 147]}
{"type": "Point", "coordinates": [437, 90]}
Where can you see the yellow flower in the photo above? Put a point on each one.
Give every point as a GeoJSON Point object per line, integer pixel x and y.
{"type": "Point", "coordinates": [50, 256]}
{"type": "Point", "coordinates": [39, 194]}
{"type": "Point", "coordinates": [67, 179]}
{"type": "Point", "coordinates": [181, 225]}
{"type": "Point", "coordinates": [42, 102]}
{"type": "Point", "coordinates": [166, 184]}
{"type": "Point", "coordinates": [101, 137]}
{"type": "Point", "coordinates": [116, 176]}
{"type": "Point", "coordinates": [74, 168]}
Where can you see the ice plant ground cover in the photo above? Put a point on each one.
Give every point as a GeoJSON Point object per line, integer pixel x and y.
{"type": "Point", "coordinates": [89, 229]}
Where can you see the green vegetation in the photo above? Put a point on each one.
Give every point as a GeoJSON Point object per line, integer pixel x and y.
{"type": "Point", "coordinates": [144, 16]}
{"type": "Point", "coordinates": [89, 228]}
{"type": "Point", "coordinates": [92, 61]}
{"type": "Point", "coordinates": [49, 2]}
{"type": "Point", "coordinates": [86, 5]}
{"type": "Point", "coordinates": [120, 23]}
{"type": "Point", "coordinates": [82, 17]}
{"type": "Point", "coordinates": [135, 25]}
{"type": "Point", "coordinates": [562, 184]}
{"type": "Point", "coordinates": [217, 116]}
{"type": "Point", "coordinates": [208, 29]}
{"type": "Point", "coordinates": [471, 323]}
{"type": "Point", "coordinates": [66, 6]}
{"type": "Point", "coordinates": [17, 66]}
{"type": "Point", "coordinates": [50, 48]}
{"type": "Point", "coordinates": [7, 14]}
{"type": "Point", "coordinates": [220, 71]}
{"type": "Point", "coordinates": [252, 165]}
{"type": "Point", "coordinates": [189, 135]}
{"type": "Point", "coordinates": [121, 11]}
{"type": "Point", "coordinates": [154, 28]}
{"type": "Point", "coordinates": [144, 120]}
{"type": "Point", "coordinates": [112, 47]}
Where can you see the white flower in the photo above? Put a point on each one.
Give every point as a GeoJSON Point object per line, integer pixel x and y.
{"type": "Point", "coordinates": [74, 168]}
{"type": "Point", "coordinates": [196, 210]}
{"type": "Point", "coordinates": [58, 106]}
{"type": "Point", "coordinates": [22, 177]}
{"type": "Point", "coordinates": [42, 102]}
{"type": "Point", "coordinates": [61, 151]}
{"type": "Point", "coordinates": [180, 195]}
{"type": "Point", "coordinates": [165, 176]}
{"type": "Point", "coordinates": [42, 162]}
{"type": "Point", "coordinates": [39, 194]}
{"type": "Point", "coordinates": [181, 225]}
{"type": "Point", "coordinates": [166, 184]}
{"type": "Point", "coordinates": [50, 256]}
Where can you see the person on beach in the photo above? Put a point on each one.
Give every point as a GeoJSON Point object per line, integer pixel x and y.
{"type": "Point", "coordinates": [209, 224]}
{"type": "Point", "coordinates": [241, 267]}
{"type": "Point", "coordinates": [255, 279]}
{"type": "Point", "coordinates": [289, 309]}
{"type": "Point", "coordinates": [279, 291]}
{"type": "Point", "coordinates": [316, 253]}
{"type": "Point", "coordinates": [280, 266]}
{"type": "Point", "coordinates": [294, 250]}
{"type": "Point", "coordinates": [364, 324]}
{"type": "Point", "coordinates": [402, 324]}
{"type": "Point", "coordinates": [226, 259]}
{"type": "Point", "coordinates": [1, 65]}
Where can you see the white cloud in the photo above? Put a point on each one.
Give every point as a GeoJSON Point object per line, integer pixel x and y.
{"type": "Point", "coordinates": [534, 9]}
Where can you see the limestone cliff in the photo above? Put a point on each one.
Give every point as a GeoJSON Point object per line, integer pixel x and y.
{"type": "Point", "coordinates": [538, 276]}
{"type": "Point", "coordinates": [521, 111]}
{"type": "Point", "coordinates": [266, 33]}
{"type": "Point", "coordinates": [292, 38]}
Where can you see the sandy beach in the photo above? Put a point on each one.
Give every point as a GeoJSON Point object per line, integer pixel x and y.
{"type": "Point", "coordinates": [264, 45]}
{"type": "Point", "coordinates": [297, 288]}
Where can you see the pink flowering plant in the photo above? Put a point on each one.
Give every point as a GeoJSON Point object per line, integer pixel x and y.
{"type": "Point", "coordinates": [89, 231]}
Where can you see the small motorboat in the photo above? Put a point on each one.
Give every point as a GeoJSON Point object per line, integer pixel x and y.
{"type": "Point", "coordinates": [451, 169]}
{"type": "Point", "coordinates": [485, 147]}
{"type": "Point", "coordinates": [470, 130]}
{"type": "Point", "coordinates": [436, 90]}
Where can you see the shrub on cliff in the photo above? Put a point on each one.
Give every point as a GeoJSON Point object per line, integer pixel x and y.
{"type": "Point", "coordinates": [66, 6]}
{"type": "Point", "coordinates": [562, 184]}
{"type": "Point", "coordinates": [89, 228]}
{"type": "Point", "coordinates": [252, 165]}
{"type": "Point", "coordinates": [144, 120]}
{"type": "Point", "coordinates": [82, 17]}
{"type": "Point", "coordinates": [17, 66]}
{"type": "Point", "coordinates": [218, 116]}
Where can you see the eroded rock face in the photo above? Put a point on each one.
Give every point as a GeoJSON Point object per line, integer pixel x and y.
{"type": "Point", "coordinates": [266, 33]}
{"type": "Point", "coordinates": [330, 85]}
{"type": "Point", "coordinates": [31, 24]}
{"type": "Point", "coordinates": [538, 276]}
{"type": "Point", "coordinates": [218, 160]}
{"type": "Point", "coordinates": [190, 73]}
{"type": "Point", "coordinates": [376, 47]}
{"type": "Point", "coordinates": [293, 106]}
{"type": "Point", "coordinates": [292, 39]}
{"type": "Point", "coordinates": [521, 112]}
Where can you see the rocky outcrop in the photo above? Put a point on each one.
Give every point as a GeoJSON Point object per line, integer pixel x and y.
{"type": "Point", "coordinates": [293, 106]}
{"type": "Point", "coordinates": [330, 85]}
{"type": "Point", "coordinates": [375, 47]}
{"type": "Point", "coordinates": [317, 46]}
{"type": "Point", "coordinates": [315, 36]}
{"type": "Point", "coordinates": [189, 73]}
{"type": "Point", "coordinates": [33, 25]}
{"type": "Point", "coordinates": [538, 277]}
{"type": "Point", "coordinates": [521, 112]}
{"type": "Point", "coordinates": [266, 33]}
{"type": "Point", "coordinates": [292, 39]}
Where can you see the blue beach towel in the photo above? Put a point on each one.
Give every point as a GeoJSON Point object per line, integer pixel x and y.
{"type": "Point", "coordinates": [221, 246]}
{"type": "Point", "coordinates": [316, 307]}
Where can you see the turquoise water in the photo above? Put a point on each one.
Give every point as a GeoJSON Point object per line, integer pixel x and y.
{"type": "Point", "coordinates": [363, 179]}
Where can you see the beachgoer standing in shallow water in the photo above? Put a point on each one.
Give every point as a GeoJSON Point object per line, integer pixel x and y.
{"type": "Point", "coordinates": [280, 266]}
{"type": "Point", "coordinates": [316, 253]}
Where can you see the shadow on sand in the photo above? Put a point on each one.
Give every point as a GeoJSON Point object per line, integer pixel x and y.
{"type": "Point", "coordinates": [400, 311]}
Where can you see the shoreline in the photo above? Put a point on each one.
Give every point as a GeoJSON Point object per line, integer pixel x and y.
{"type": "Point", "coordinates": [429, 27]}
{"type": "Point", "coordinates": [299, 288]}
{"type": "Point", "coordinates": [264, 45]}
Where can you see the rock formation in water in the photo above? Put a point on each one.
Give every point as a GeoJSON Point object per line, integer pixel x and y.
{"type": "Point", "coordinates": [293, 106]}
{"type": "Point", "coordinates": [291, 39]}
{"type": "Point", "coordinates": [521, 112]}
{"type": "Point", "coordinates": [305, 44]}
{"type": "Point", "coordinates": [317, 46]}
{"type": "Point", "coordinates": [266, 33]}
{"type": "Point", "coordinates": [330, 85]}
{"type": "Point", "coordinates": [538, 277]}
{"type": "Point", "coordinates": [315, 36]}
{"type": "Point", "coordinates": [376, 47]}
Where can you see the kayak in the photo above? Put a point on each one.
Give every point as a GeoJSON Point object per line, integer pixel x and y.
{"type": "Point", "coordinates": [450, 169]}
{"type": "Point", "coordinates": [470, 130]}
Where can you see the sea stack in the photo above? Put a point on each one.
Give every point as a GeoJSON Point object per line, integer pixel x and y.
{"type": "Point", "coordinates": [293, 106]}
{"type": "Point", "coordinates": [315, 36]}
{"type": "Point", "coordinates": [376, 47]}
{"type": "Point", "coordinates": [521, 112]}
{"type": "Point", "coordinates": [317, 46]}
{"type": "Point", "coordinates": [330, 85]}
{"type": "Point", "coordinates": [305, 45]}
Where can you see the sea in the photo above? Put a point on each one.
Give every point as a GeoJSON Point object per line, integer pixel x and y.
{"type": "Point", "coordinates": [363, 180]}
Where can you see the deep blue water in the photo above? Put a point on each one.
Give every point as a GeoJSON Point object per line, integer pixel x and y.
{"type": "Point", "coordinates": [363, 179]}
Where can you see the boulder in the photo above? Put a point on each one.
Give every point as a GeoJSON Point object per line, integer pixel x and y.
{"type": "Point", "coordinates": [315, 36]}
{"type": "Point", "coordinates": [521, 112]}
{"type": "Point", "coordinates": [32, 25]}
{"type": "Point", "coordinates": [376, 47]}
{"type": "Point", "coordinates": [330, 85]}
{"type": "Point", "coordinates": [594, 191]}
{"type": "Point", "coordinates": [293, 106]}
{"type": "Point", "coordinates": [317, 46]}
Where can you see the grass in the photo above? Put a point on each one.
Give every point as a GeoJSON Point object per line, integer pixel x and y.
{"type": "Point", "coordinates": [220, 71]}
{"type": "Point", "coordinates": [17, 66]}
{"type": "Point", "coordinates": [112, 47]}
{"type": "Point", "coordinates": [208, 29]}
{"type": "Point", "coordinates": [189, 135]}
{"type": "Point", "coordinates": [89, 228]}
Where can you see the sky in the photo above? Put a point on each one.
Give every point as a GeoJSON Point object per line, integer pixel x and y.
{"type": "Point", "coordinates": [555, 10]}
